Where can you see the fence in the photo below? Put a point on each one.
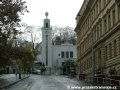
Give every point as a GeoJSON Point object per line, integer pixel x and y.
{"type": "Point", "coordinates": [103, 81]}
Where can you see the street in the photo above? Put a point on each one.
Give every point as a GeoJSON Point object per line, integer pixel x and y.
{"type": "Point", "coordinates": [46, 82]}
{"type": "Point", "coordinates": [38, 82]}
{"type": "Point", "coordinates": [79, 50]}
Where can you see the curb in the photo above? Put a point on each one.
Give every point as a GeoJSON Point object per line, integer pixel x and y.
{"type": "Point", "coordinates": [1, 75]}
{"type": "Point", "coordinates": [4, 87]}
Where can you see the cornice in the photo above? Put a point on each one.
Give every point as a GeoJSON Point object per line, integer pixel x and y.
{"type": "Point", "coordinates": [82, 15]}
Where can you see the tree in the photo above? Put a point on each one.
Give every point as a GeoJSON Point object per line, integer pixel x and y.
{"type": "Point", "coordinates": [27, 60]}
{"type": "Point", "coordinates": [10, 11]}
{"type": "Point", "coordinates": [63, 34]}
{"type": "Point", "coordinates": [5, 54]}
{"type": "Point", "coordinates": [69, 67]}
{"type": "Point", "coordinates": [32, 33]}
{"type": "Point", "coordinates": [25, 57]}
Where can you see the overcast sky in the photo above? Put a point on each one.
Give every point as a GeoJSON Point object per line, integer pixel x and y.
{"type": "Point", "coordinates": [61, 12]}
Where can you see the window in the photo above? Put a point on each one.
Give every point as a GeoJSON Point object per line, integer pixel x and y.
{"type": "Point", "coordinates": [101, 29]}
{"type": "Point", "coordinates": [97, 9]}
{"type": "Point", "coordinates": [94, 35]}
{"type": "Point", "coordinates": [81, 65]}
{"type": "Point", "coordinates": [99, 5]}
{"type": "Point", "coordinates": [91, 61]}
{"type": "Point", "coordinates": [105, 25]}
{"type": "Point", "coordinates": [98, 32]}
{"type": "Point", "coordinates": [109, 21]}
{"type": "Point", "coordinates": [88, 63]}
{"type": "Point", "coordinates": [58, 54]}
{"type": "Point", "coordinates": [119, 11]}
{"type": "Point", "coordinates": [88, 22]}
{"type": "Point", "coordinates": [110, 50]}
{"type": "Point", "coordinates": [113, 16]}
{"type": "Point", "coordinates": [46, 37]}
{"type": "Point", "coordinates": [119, 45]}
{"type": "Point", "coordinates": [79, 50]}
{"type": "Point", "coordinates": [84, 65]}
{"type": "Point", "coordinates": [104, 2]}
{"type": "Point", "coordinates": [62, 54]}
{"type": "Point", "coordinates": [99, 55]}
{"type": "Point", "coordinates": [46, 25]}
{"type": "Point", "coordinates": [63, 63]}
{"type": "Point", "coordinates": [106, 56]}
{"type": "Point", "coordinates": [94, 14]}
{"type": "Point", "coordinates": [115, 49]}
{"type": "Point", "coordinates": [67, 54]}
{"type": "Point", "coordinates": [109, 1]}
{"type": "Point", "coordinates": [71, 54]}
{"type": "Point", "coordinates": [92, 17]}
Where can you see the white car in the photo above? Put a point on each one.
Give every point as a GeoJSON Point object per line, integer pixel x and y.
{"type": "Point", "coordinates": [38, 71]}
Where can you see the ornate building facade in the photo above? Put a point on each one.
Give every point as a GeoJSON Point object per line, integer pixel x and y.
{"type": "Point", "coordinates": [98, 37]}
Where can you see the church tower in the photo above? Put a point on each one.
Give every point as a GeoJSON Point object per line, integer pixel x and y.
{"type": "Point", "coordinates": [47, 42]}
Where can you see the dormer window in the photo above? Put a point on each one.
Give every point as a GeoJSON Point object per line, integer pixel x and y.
{"type": "Point", "coordinates": [46, 25]}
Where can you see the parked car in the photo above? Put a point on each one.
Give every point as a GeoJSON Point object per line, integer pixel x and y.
{"type": "Point", "coordinates": [36, 71]}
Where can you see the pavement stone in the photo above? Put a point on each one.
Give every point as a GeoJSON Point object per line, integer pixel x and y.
{"type": "Point", "coordinates": [7, 80]}
{"type": "Point", "coordinates": [88, 83]}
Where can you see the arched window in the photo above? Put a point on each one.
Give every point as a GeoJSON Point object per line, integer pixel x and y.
{"type": "Point", "coordinates": [46, 25]}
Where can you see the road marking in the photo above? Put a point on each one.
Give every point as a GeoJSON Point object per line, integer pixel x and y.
{"type": "Point", "coordinates": [30, 84]}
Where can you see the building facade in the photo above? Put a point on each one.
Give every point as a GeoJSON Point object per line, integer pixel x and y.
{"type": "Point", "coordinates": [47, 42]}
{"type": "Point", "coordinates": [98, 37]}
{"type": "Point", "coordinates": [53, 55]}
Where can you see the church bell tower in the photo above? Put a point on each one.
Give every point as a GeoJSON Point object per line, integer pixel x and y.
{"type": "Point", "coordinates": [47, 42]}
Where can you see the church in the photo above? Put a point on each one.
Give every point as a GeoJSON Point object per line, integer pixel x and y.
{"type": "Point", "coordinates": [53, 55]}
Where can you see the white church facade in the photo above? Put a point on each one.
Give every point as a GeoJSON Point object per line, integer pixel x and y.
{"type": "Point", "coordinates": [54, 55]}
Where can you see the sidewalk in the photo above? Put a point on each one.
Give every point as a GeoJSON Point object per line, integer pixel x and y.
{"type": "Point", "coordinates": [7, 80]}
{"type": "Point", "coordinates": [90, 83]}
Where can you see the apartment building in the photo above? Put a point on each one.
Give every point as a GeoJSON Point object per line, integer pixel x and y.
{"type": "Point", "coordinates": [98, 37]}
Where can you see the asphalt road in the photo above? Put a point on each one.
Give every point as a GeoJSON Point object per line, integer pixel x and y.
{"type": "Point", "coordinates": [38, 82]}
